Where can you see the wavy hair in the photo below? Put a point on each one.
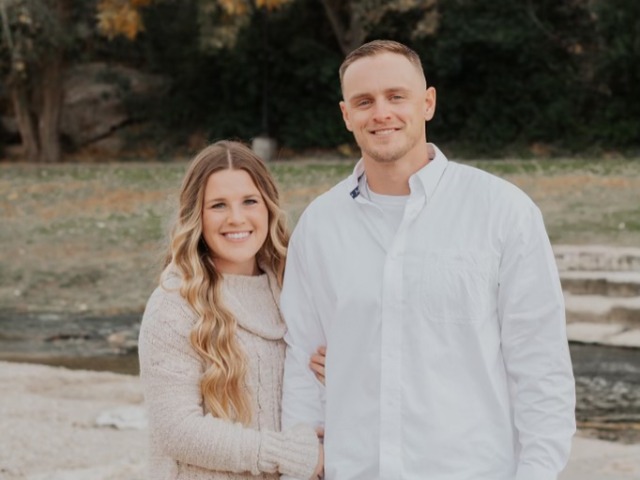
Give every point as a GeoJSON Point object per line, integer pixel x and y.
{"type": "Point", "coordinates": [214, 335]}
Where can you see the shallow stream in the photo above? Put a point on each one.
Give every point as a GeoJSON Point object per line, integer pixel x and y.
{"type": "Point", "coordinates": [607, 378]}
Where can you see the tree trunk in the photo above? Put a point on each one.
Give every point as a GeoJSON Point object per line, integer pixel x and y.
{"type": "Point", "coordinates": [26, 122]}
{"type": "Point", "coordinates": [349, 37]}
{"type": "Point", "coordinates": [357, 32]}
{"type": "Point", "coordinates": [51, 106]}
{"type": "Point", "coordinates": [339, 30]}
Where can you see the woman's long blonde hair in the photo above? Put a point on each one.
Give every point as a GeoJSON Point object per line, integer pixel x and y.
{"type": "Point", "coordinates": [214, 335]}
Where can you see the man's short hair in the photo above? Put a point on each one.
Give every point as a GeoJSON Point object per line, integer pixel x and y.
{"type": "Point", "coordinates": [376, 47]}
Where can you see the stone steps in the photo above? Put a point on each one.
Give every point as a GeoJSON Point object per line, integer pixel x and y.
{"type": "Point", "coordinates": [609, 284]}
{"type": "Point", "coordinates": [601, 286]}
{"type": "Point", "coordinates": [597, 258]}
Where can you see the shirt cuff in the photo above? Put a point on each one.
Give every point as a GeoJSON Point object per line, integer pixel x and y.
{"type": "Point", "coordinates": [533, 472]}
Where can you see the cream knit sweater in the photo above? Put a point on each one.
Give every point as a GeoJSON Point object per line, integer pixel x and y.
{"type": "Point", "coordinates": [186, 441]}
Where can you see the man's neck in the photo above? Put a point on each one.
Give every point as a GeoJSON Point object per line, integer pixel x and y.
{"type": "Point", "coordinates": [393, 178]}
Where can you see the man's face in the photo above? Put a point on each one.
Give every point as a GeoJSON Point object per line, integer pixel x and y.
{"type": "Point", "coordinates": [386, 104]}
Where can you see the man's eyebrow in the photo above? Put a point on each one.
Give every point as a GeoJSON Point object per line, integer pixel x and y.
{"type": "Point", "coordinates": [387, 91]}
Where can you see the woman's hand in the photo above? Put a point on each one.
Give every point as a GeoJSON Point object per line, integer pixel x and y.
{"type": "Point", "coordinates": [317, 363]}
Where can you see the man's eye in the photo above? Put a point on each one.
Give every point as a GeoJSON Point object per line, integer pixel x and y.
{"type": "Point", "coordinates": [363, 103]}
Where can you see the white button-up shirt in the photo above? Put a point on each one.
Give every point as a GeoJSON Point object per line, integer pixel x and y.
{"type": "Point", "coordinates": [447, 356]}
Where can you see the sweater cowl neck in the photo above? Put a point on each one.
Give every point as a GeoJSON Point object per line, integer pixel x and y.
{"type": "Point", "coordinates": [254, 303]}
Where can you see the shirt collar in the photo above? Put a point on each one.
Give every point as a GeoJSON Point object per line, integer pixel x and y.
{"type": "Point", "coordinates": [428, 176]}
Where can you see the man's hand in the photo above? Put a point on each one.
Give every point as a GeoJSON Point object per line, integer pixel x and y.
{"type": "Point", "coordinates": [318, 473]}
{"type": "Point", "coordinates": [317, 363]}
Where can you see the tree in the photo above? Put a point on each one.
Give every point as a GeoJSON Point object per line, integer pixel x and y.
{"type": "Point", "coordinates": [32, 61]}
{"type": "Point", "coordinates": [220, 20]}
{"type": "Point", "coordinates": [121, 17]}
{"type": "Point", "coordinates": [36, 37]}
{"type": "Point", "coordinates": [353, 21]}
{"type": "Point", "coordinates": [219, 26]}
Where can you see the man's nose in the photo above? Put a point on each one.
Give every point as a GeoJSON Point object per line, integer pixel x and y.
{"type": "Point", "coordinates": [381, 110]}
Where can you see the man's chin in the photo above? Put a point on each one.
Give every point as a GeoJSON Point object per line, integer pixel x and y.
{"type": "Point", "coordinates": [384, 157]}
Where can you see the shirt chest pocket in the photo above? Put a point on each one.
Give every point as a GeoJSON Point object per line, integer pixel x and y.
{"type": "Point", "coordinates": [458, 287]}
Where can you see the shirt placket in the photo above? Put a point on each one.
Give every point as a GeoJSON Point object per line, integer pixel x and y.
{"type": "Point", "coordinates": [391, 349]}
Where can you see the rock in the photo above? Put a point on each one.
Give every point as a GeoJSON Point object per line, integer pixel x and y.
{"type": "Point", "coordinates": [597, 258]}
{"type": "Point", "coordinates": [264, 147]}
{"type": "Point", "coordinates": [123, 418]}
{"type": "Point", "coordinates": [95, 104]}
{"type": "Point", "coordinates": [95, 97]}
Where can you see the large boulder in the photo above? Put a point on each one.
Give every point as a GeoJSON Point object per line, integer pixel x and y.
{"type": "Point", "coordinates": [97, 99]}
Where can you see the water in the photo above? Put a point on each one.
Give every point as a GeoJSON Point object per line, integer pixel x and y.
{"type": "Point", "coordinates": [76, 342]}
{"type": "Point", "coordinates": [607, 378]}
{"type": "Point", "coordinates": [122, 363]}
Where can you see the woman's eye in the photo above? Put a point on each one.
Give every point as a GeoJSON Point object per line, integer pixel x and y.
{"type": "Point", "coordinates": [217, 206]}
{"type": "Point", "coordinates": [250, 201]}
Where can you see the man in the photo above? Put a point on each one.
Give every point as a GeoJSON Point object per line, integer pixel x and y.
{"type": "Point", "coordinates": [434, 287]}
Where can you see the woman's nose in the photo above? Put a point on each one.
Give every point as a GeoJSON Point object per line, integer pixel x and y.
{"type": "Point", "coordinates": [236, 215]}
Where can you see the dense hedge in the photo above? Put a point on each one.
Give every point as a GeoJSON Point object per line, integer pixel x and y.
{"type": "Point", "coordinates": [562, 74]}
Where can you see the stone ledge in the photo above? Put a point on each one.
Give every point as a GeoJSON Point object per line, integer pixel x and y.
{"type": "Point", "coordinates": [597, 257]}
{"type": "Point", "coordinates": [604, 334]}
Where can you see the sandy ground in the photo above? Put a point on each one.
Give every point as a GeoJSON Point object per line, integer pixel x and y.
{"type": "Point", "coordinates": [60, 424]}
{"type": "Point", "coordinates": [50, 419]}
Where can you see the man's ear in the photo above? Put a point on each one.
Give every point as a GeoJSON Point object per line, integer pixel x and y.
{"type": "Point", "coordinates": [345, 116]}
{"type": "Point", "coordinates": [430, 103]}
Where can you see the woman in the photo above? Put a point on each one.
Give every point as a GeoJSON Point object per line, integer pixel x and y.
{"type": "Point", "coordinates": [211, 348]}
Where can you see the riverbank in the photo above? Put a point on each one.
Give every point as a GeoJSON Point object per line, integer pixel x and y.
{"type": "Point", "coordinates": [60, 424]}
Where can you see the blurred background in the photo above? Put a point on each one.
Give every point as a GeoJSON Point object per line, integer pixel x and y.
{"type": "Point", "coordinates": [103, 102]}
{"type": "Point", "coordinates": [149, 78]}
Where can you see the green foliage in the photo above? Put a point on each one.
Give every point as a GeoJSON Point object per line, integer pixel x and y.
{"type": "Point", "coordinates": [501, 76]}
{"type": "Point", "coordinates": [562, 74]}
{"type": "Point", "coordinates": [518, 73]}
{"type": "Point", "coordinates": [221, 92]}
{"type": "Point", "coordinates": [616, 118]}
{"type": "Point", "coordinates": [304, 89]}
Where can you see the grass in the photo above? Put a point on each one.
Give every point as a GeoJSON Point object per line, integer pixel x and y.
{"type": "Point", "coordinates": [79, 237]}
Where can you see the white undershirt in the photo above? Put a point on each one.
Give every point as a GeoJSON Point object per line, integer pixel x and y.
{"type": "Point", "coordinates": [391, 207]}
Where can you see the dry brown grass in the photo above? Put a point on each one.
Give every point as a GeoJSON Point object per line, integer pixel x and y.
{"type": "Point", "coordinates": [89, 237]}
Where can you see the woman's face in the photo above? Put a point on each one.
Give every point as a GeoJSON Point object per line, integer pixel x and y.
{"type": "Point", "coordinates": [235, 221]}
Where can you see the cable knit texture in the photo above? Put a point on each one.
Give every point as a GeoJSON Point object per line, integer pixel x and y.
{"type": "Point", "coordinates": [186, 441]}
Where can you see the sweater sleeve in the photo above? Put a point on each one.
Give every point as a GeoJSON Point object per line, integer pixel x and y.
{"type": "Point", "coordinates": [170, 371]}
